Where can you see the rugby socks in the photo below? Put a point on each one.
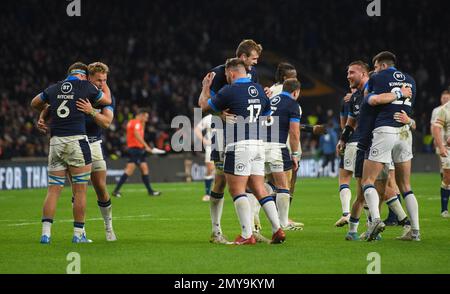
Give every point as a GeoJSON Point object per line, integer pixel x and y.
{"type": "Point", "coordinates": [243, 210]}
{"type": "Point", "coordinates": [208, 183]}
{"type": "Point", "coordinates": [270, 188]}
{"type": "Point", "coordinates": [346, 196]}
{"type": "Point", "coordinates": [268, 204]}
{"type": "Point", "coordinates": [392, 215]}
{"type": "Point", "coordinates": [106, 211]}
{"type": "Point", "coordinates": [255, 207]}
{"type": "Point", "coordinates": [367, 212]}
{"type": "Point", "coordinates": [47, 226]}
{"type": "Point", "coordinates": [146, 181]}
{"type": "Point", "coordinates": [353, 225]}
{"type": "Point", "coordinates": [396, 207]}
{"type": "Point", "coordinates": [216, 208]}
{"type": "Point", "coordinates": [413, 209]}
{"type": "Point", "coordinates": [283, 202]}
{"type": "Point", "coordinates": [445, 193]}
{"type": "Point", "coordinates": [372, 200]}
{"type": "Point", "coordinates": [122, 181]}
{"type": "Point", "coordinates": [78, 229]}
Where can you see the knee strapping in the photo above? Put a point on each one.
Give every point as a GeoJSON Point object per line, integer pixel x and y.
{"type": "Point", "coordinates": [56, 180]}
{"type": "Point", "coordinates": [82, 178]}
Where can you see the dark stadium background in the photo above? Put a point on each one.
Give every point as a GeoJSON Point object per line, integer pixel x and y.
{"type": "Point", "coordinates": [158, 52]}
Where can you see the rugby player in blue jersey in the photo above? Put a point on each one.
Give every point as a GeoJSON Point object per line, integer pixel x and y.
{"type": "Point", "coordinates": [69, 146]}
{"type": "Point", "coordinates": [244, 149]}
{"type": "Point", "coordinates": [391, 91]}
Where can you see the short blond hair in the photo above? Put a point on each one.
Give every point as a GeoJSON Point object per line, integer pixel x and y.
{"type": "Point", "coordinates": [247, 46]}
{"type": "Point", "coordinates": [96, 67]}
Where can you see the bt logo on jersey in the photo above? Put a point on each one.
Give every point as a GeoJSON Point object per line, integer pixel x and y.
{"type": "Point", "coordinates": [252, 91]}
{"type": "Point", "coordinates": [66, 87]}
{"type": "Point", "coordinates": [399, 76]}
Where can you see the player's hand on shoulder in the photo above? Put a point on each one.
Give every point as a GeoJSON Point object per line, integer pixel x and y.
{"type": "Point", "coordinates": [84, 105]}
{"type": "Point", "coordinates": [347, 97]}
{"type": "Point", "coordinates": [228, 117]}
{"type": "Point", "coordinates": [208, 79]}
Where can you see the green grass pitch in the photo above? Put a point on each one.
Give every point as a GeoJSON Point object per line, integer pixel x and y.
{"type": "Point", "coordinates": [169, 234]}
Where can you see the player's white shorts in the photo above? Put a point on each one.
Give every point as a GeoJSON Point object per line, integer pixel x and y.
{"type": "Point", "coordinates": [384, 174]}
{"type": "Point", "coordinates": [245, 158]}
{"type": "Point", "coordinates": [68, 151]}
{"type": "Point", "coordinates": [350, 156]}
{"type": "Point", "coordinates": [445, 161]}
{"type": "Point", "coordinates": [98, 159]}
{"type": "Point", "coordinates": [391, 144]}
{"type": "Point", "coordinates": [277, 158]}
{"type": "Point", "coordinates": [208, 154]}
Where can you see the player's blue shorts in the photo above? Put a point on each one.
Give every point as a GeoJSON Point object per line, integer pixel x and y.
{"type": "Point", "coordinates": [137, 155]}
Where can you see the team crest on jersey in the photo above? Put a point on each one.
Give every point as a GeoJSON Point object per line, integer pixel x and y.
{"type": "Point", "coordinates": [66, 87]}
{"type": "Point", "coordinates": [399, 76]}
{"type": "Point", "coordinates": [252, 91]}
{"type": "Point", "coordinates": [240, 167]}
{"type": "Point", "coordinates": [275, 100]}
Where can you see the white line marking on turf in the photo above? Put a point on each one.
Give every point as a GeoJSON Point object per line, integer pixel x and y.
{"type": "Point", "coordinates": [128, 217]}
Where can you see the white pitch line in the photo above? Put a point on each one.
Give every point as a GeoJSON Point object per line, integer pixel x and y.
{"type": "Point", "coordinates": [128, 217]}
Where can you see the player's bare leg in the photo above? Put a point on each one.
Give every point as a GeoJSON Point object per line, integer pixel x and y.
{"type": "Point", "coordinates": [355, 213]}
{"type": "Point", "coordinates": [345, 196]}
{"type": "Point", "coordinates": [256, 184]}
{"type": "Point", "coordinates": [392, 200]}
{"type": "Point", "coordinates": [98, 179]}
{"type": "Point", "coordinates": [216, 206]}
{"type": "Point", "coordinates": [371, 171]}
{"type": "Point", "coordinates": [80, 179]}
{"type": "Point", "coordinates": [445, 192]}
{"type": "Point", "coordinates": [209, 177]}
{"type": "Point", "coordinates": [283, 200]}
{"type": "Point", "coordinates": [403, 176]}
{"type": "Point", "coordinates": [237, 186]}
{"type": "Point", "coordinates": [55, 185]}
{"type": "Point", "coordinates": [392, 188]}
{"type": "Point", "coordinates": [292, 180]}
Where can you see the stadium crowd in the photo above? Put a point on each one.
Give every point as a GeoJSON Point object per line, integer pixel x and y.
{"type": "Point", "coordinates": [158, 59]}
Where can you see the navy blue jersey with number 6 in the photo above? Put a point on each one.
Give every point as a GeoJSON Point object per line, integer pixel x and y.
{"type": "Point", "coordinates": [66, 119]}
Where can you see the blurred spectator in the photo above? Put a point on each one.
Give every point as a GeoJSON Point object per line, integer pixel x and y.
{"type": "Point", "coordinates": [327, 145]}
{"type": "Point", "coordinates": [159, 55]}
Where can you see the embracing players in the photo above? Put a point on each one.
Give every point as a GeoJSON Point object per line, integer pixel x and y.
{"type": "Point", "coordinates": [392, 91]}
{"type": "Point", "coordinates": [69, 147]}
